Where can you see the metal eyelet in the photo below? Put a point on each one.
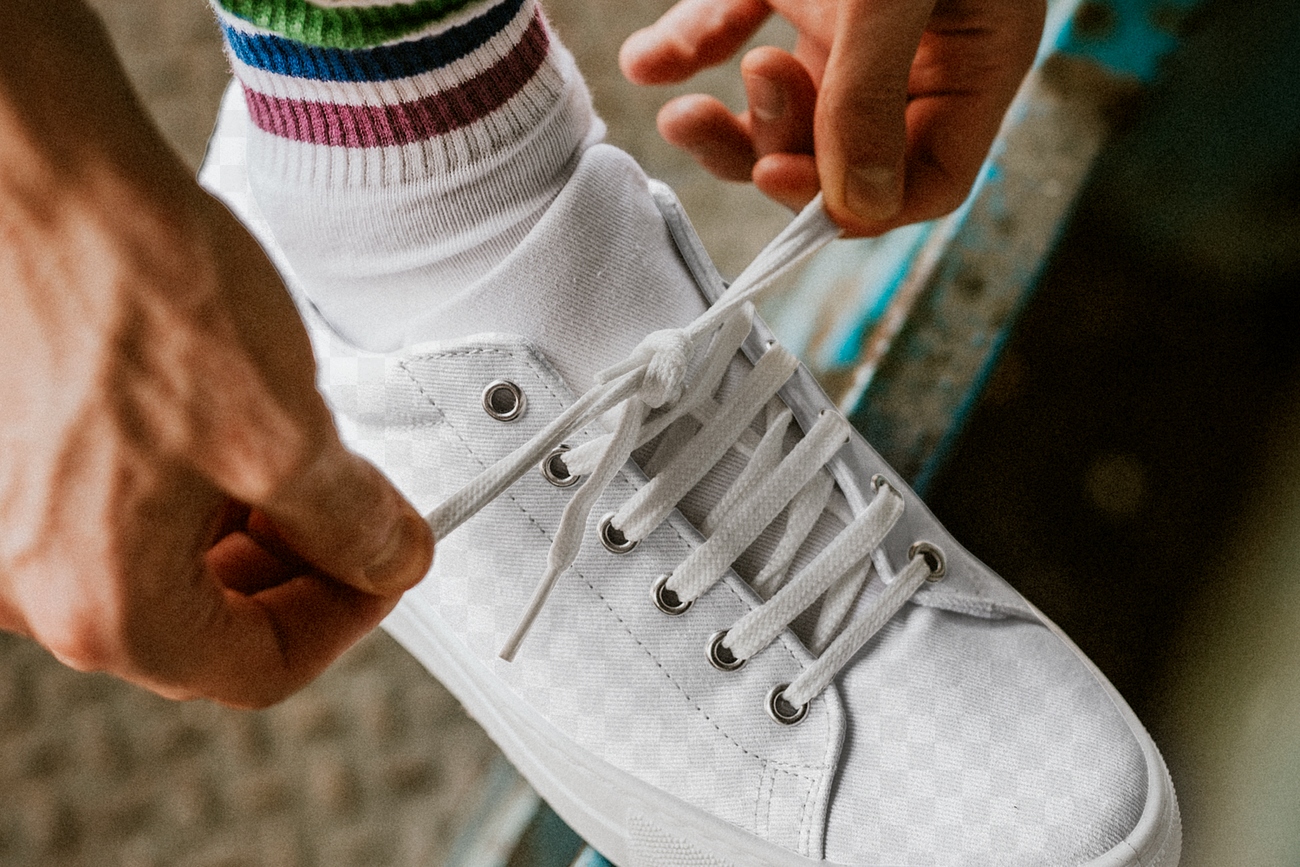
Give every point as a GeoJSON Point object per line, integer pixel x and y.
{"type": "Point", "coordinates": [781, 710]}
{"type": "Point", "coordinates": [933, 558]}
{"type": "Point", "coordinates": [503, 400]}
{"type": "Point", "coordinates": [612, 537]}
{"type": "Point", "coordinates": [667, 600]}
{"type": "Point", "coordinates": [555, 471]}
{"type": "Point", "coordinates": [720, 657]}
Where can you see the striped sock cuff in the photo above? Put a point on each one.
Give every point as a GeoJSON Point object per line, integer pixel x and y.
{"type": "Point", "coordinates": [441, 79]}
{"type": "Point", "coordinates": [353, 26]}
{"type": "Point", "coordinates": [277, 54]}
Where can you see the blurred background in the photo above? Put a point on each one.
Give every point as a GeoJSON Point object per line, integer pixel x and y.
{"type": "Point", "coordinates": [1133, 468]}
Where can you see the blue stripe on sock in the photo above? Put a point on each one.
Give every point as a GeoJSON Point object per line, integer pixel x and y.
{"type": "Point", "coordinates": [383, 63]}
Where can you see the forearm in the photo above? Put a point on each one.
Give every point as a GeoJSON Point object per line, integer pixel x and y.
{"type": "Point", "coordinates": [70, 126]}
{"type": "Point", "coordinates": [158, 416]}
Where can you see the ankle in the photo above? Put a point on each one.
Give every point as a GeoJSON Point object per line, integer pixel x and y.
{"type": "Point", "coordinates": [394, 173]}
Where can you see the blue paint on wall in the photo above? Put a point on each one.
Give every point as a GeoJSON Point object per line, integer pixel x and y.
{"type": "Point", "coordinates": [1126, 37]}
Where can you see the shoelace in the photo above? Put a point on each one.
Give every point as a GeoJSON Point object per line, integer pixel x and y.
{"type": "Point", "coordinates": [665, 390]}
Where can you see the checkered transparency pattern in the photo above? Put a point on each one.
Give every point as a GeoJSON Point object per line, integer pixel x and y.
{"type": "Point", "coordinates": [919, 781]}
{"type": "Point", "coordinates": [674, 723]}
{"type": "Point", "coordinates": [970, 740]}
{"type": "Point", "coordinates": [981, 742]}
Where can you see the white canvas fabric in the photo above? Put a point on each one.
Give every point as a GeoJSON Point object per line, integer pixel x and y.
{"type": "Point", "coordinates": [967, 731]}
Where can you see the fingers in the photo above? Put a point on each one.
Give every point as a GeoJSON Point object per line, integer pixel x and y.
{"type": "Point", "coordinates": [278, 453]}
{"type": "Point", "coordinates": [790, 179]}
{"type": "Point", "coordinates": [245, 622]}
{"type": "Point", "coordinates": [949, 140]}
{"type": "Point", "coordinates": [254, 629]}
{"type": "Point", "coordinates": [908, 97]}
{"type": "Point", "coordinates": [860, 128]}
{"type": "Point", "coordinates": [781, 97]}
{"type": "Point", "coordinates": [692, 35]}
{"type": "Point", "coordinates": [156, 599]}
{"type": "Point", "coordinates": [963, 80]}
{"type": "Point", "coordinates": [341, 515]}
{"type": "Point", "coordinates": [266, 438]}
{"type": "Point", "coordinates": [717, 140]}
{"type": "Point", "coordinates": [763, 143]}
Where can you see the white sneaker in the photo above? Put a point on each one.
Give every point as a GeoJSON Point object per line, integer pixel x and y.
{"type": "Point", "coordinates": [845, 687]}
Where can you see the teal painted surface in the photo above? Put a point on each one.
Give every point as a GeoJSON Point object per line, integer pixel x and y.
{"type": "Point", "coordinates": [591, 858]}
{"type": "Point", "coordinates": [546, 842]}
{"type": "Point", "coordinates": [828, 318]}
{"type": "Point", "coordinates": [1127, 38]}
{"type": "Point", "coordinates": [890, 322]}
{"type": "Point", "coordinates": [856, 282]}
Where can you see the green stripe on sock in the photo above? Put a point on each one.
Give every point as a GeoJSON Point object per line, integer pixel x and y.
{"type": "Point", "coordinates": [341, 26]}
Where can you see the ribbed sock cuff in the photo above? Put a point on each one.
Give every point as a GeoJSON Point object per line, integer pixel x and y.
{"type": "Point", "coordinates": [391, 94]}
{"type": "Point", "coordinates": [399, 152]}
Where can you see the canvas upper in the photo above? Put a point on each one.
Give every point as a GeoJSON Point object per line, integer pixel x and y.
{"type": "Point", "coordinates": [967, 731]}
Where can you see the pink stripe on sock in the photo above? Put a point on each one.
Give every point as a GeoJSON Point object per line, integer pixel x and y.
{"type": "Point", "coordinates": [361, 126]}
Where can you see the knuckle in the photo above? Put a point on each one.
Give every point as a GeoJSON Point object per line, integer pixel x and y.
{"type": "Point", "coordinates": [262, 696]}
{"type": "Point", "coordinates": [274, 469]}
{"type": "Point", "coordinates": [82, 643]}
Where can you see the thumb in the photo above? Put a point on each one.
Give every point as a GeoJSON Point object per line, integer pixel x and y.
{"type": "Point", "coordinates": [344, 517]}
{"type": "Point", "coordinates": [860, 124]}
{"type": "Point", "coordinates": [268, 440]}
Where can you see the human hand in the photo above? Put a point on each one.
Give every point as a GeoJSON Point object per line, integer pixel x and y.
{"type": "Point", "coordinates": [175, 505]}
{"type": "Point", "coordinates": [888, 106]}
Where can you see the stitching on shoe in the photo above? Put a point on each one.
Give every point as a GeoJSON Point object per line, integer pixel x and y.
{"type": "Point", "coordinates": [804, 798]}
{"type": "Point", "coordinates": [805, 828]}
{"type": "Point", "coordinates": [533, 369]}
{"type": "Point", "coordinates": [974, 607]}
{"type": "Point", "coordinates": [763, 824]}
{"type": "Point", "coordinates": [695, 704]}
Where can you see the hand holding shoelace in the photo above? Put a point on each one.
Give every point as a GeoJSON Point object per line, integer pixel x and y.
{"type": "Point", "coordinates": [175, 505]}
{"type": "Point", "coordinates": [888, 106]}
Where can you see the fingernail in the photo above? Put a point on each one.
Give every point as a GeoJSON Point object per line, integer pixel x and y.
{"type": "Point", "coordinates": [873, 192]}
{"type": "Point", "coordinates": [767, 101]}
{"type": "Point", "coordinates": [405, 555]}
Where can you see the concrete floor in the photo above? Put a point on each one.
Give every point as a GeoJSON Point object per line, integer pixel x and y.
{"type": "Point", "coordinates": [1130, 372]}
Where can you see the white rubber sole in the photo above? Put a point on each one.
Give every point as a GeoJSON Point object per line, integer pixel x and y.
{"type": "Point", "coordinates": [602, 803]}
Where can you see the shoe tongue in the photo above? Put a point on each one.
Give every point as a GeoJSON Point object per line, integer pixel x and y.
{"type": "Point", "coordinates": [619, 277]}
{"type": "Point", "coordinates": [596, 274]}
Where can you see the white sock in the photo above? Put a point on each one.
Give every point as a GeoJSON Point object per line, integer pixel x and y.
{"type": "Point", "coordinates": [399, 152]}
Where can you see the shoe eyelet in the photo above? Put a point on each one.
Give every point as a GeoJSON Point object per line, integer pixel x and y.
{"type": "Point", "coordinates": [612, 537]}
{"type": "Point", "coordinates": [720, 657]}
{"type": "Point", "coordinates": [555, 471]}
{"type": "Point", "coordinates": [503, 400]}
{"type": "Point", "coordinates": [878, 481]}
{"type": "Point", "coordinates": [933, 557]}
{"type": "Point", "coordinates": [667, 600]}
{"type": "Point", "coordinates": [781, 710]}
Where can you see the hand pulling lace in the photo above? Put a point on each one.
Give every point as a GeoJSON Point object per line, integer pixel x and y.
{"type": "Point", "coordinates": [674, 374]}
